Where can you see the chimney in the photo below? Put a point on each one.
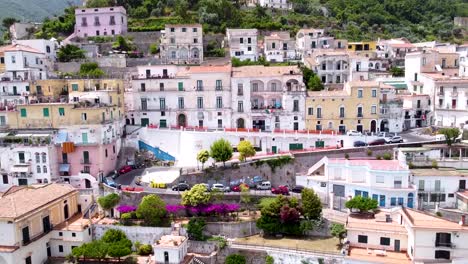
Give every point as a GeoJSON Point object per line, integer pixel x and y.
{"type": "Point", "coordinates": [462, 220]}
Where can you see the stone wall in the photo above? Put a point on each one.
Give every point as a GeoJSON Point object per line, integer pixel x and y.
{"type": "Point", "coordinates": [232, 229]}
{"type": "Point", "coordinates": [142, 234]}
{"type": "Point", "coordinates": [202, 247]}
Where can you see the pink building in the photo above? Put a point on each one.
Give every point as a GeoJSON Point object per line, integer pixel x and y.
{"type": "Point", "coordinates": [103, 21]}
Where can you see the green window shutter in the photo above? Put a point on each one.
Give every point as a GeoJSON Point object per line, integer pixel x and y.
{"type": "Point", "coordinates": [181, 86]}
{"type": "Point", "coordinates": [27, 88]}
{"type": "Point", "coordinates": [23, 112]}
{"type": "Point", "coordinates": [75, 87]}
{"type": "Point", "coordinates": [45, 111]}
{"type": "Point", "coordinates": [61, 111]}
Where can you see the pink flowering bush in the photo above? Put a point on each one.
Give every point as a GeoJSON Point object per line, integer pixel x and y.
{"type": "Point", "coordinates": [123, 208]}
{"type": "Point", "coordinates": [206, 209]}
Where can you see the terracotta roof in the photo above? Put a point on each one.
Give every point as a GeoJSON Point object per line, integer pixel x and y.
{"type": "Point", "coordinates": [205, 69]}
{"type": "Point", "coordinates": [22, 200]}
{"type": "Point", "coordinates": [387, 165]}
{"type": "Point", "coordinates": [19, 47]}
{"type": "Point", "coordinates": [260, 71]}
{"type": "Point", "coordinates": [463, 194]}
{"type": "Point", "coordinates": [423, 220]}
{"type": "Point", "coordinates": [2, 48]}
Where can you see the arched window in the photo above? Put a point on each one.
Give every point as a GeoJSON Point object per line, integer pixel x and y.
{"type": "Point", "coordinates": [38, 169]}
{"type": "Point", "coordinates": [44, 169]}
{"type": "Point", "coordinates": [44, 157]}
{"type": "Point", "coordinates": [38, 158]}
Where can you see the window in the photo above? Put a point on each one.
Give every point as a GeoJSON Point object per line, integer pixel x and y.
{"type": "Point", "coordinates": [23, 112]}
{"type": "Point", "coordinates": [143, 87]}
{"type": "Point", "coordinates": [373, 109]}
{"type": "Point", "coordinates": [437, 185]}
{"type": "Point", "coordinates": [60, 248]}
{"type": "Point", "coordinates": [241, 40]}
{"type": "Point", "coordinates": [45, 112]}
{"type": "Point", "coordinates": [44, 158]}
{"type": "Point", "coordinates": [73, 234]}
{"type": "Point", "coordinates": [200, 102]}
{"type": "Point", "coordinates": [240, 106]}
{"type": "Point", "coordinates": [84, 116]}
{"type": "Point", "coordinates": [254, 87]}
{"type": "Point", "coordinates": [38, 158]}
{"type": "Point", "coordinates": [220, 123]}
{"type": "Point", "coordinates": [112, 20]}
{"type": "Point", "coordinates": [38, 169]}
{"type": "Point", "coordinates": [162, 103]}
{"type": "Point", "coordinates": [195, 40]}
{"type": "Point", "coordinates": [319, 112]}
{"type": "Point", "coordinates": [310, 111]}
{"type": "Point", "coordinates": [5, 178]}
{"type": "Point", "coordinates": [240, 89]}
{"type": "Point", "coordinates": [359, 111]}
{"type": "Point", "coordinates": [374, 93]}
{"type": "Point", "coordinates": [61, 111]}
{"type": "Point", "coordinates": [423, 61]}
{"type": "Point", "coordinates": [219, 85]}
{"type": "Point", "coordinates": [60, 234]}
{"type": "Point", "coordinates": [195, 29]}
{"type": "Point", "coordinates": [362, 239]}
{"type": "Point", "coordinates": [219, 102]}
{"type": "Point", "coordinates": [161, 86]}
{"type": "Point", "coordinates": [380, 179]}
{"type": "Point", "coordinates": [105, 152]}
{"type": "Point", "coordinates": [342, 111]}
{"type": "Point", "coordinates": [113, 149]}
{"type": "Point", "coordinates": [184, 29]}
{"type": "Point", "coordinates": [359, 93]}
{"type": "Point", "coordinates": [181, 86]}
{"type": "Point", "coordinates": [172, 29]}
{"type": "Point", "coordinates": [296, 106]}
{"type": "Point", "coordinates": [13, 59]}
{"type": "Point", "coordinates": [385, 241]}
{"type": "Point", "coordinates": [28, 260]}
{"type": "Point", "coordinates": [74, 87]}
{"type": "Point", "coordinates": [181, 103]}
{"type": "Point", "coordinates": [199, 85]}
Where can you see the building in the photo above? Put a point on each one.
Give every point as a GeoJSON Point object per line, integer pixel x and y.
{"type": "Point", "coordinates": [104, 21]}
{"type": "Point", "coordinates": [243, 43]}
{"type": "Point", "coordinates": [268, 98]}
{"type": "Point", "coordinates": [22, 30]}
{"type": "Point", "coordinates": [30, 221]}
{"type": "Point", "coordinates": [307, 40]}
{"type": "Point", "coordinates": [405, 235]}
{"type": "Point", "coordinates": [463, 51]}
{"type": "Point", "coordinates": [362, 46]}
{"type": "Point", "coordinates": [353, 108]}
{"type": "Point", "coordinates": [278, 4]}
{"type": "Point", "coordinates": [48, 47]}
{"type": "Point", "coordinates": [171, 249]}
{"type": "Point", "coordinates": [279, 47]}
{"type": "Point", "coordinates": [27, 158]}
{"type": "Point", "coordinates": [387, 181]}
{"type": "Point", "coordinates": [417, 110]}
{"type": "Point", "coordinates": [182, 44]}
{"type": "Point", "coordinates": [171, 96]}
{"type": "Point", "coordinates": [394, 50]}
{"type": "Point", "coordinates": [391, 117]}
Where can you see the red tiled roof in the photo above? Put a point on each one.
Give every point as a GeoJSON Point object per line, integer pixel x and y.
{"type": "Point", "coordinates": [19, 47]}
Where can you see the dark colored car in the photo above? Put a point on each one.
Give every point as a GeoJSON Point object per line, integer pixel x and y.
{"type": "Point", "coordinates": [125, 169]}
{"type": "Point", "coordinates": [280, 190]}
{"type": "Point", "coordinates": [377, 142]}
{"type": "Point", "coordinates": [181, 187]}
{"type": "Point", "coordinates": [359, 143]}
{"type": "Point", "coordinates": [297, 189]}
{"type": "Point", "coordinates": [238, 187]}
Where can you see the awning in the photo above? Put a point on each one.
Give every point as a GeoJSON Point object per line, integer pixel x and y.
{"type": "Point", "coordinates": [68, 147]}
{"type": "Point", "coordinates": [62, 137]}
{"type": "Point", "coordinates": [20, 168]}
{"type": "Point", "coordinates": [64, 168]}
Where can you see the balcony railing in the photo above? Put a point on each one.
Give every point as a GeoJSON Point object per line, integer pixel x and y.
{"type": "Point", "coordinates": [29, 240]}
{"type": "Point", "coordinates": [85, 161]}
{"type": "Point", "coordinates": [454, 94]}
{"type": "Point", "coordinates": [84, 24]}
{"type": "Point", "coordinates": [444, 244]}
{"type": "Point", "coordinates": [441, 93]}
{"type": "Point", "coordinates": [359, 115]}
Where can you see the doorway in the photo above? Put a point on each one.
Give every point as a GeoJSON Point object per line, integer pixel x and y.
{"type": "Point", "coordinates": [65, 211]}
{"type": "Point", "coordinates": [373, 126]}
{"type": "Point", "coordinates": [166, 257]}
{"type": "Point", "coordinates": [240, 123]}
{"type": "Point", "coordinates": [296, 126]}
{"type": "Point", "coordinates": [359, 128]}
{"type": "Point", "coordinates": [462, 185]}
{"type": "Point", "coordinates": [22, 182]}
{"type": "Point", "coordinates": [397, 245]}
{"type": "Point", "coordinates": [181, 120]}
{"type": "Point", "coordinates": [87, 184]}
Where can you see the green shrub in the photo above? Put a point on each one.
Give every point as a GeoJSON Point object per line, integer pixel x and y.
{"type": "Point", "coordinates": [439, 214]}
{"type": "Point", "coordinates": [154, 48]}
{"type": "Point", "coordinates": [369, 152]}
{"type": "Point", "coordinates": [387, 156]}
{"type": "Point", "coordinates": [269, 260]}
{"type": "Point", "coordinates": [346, 156]}
{"type": "Point", "coordinates": [145, 250]}
{"type": "Point", "coordinates": [434, 164]}
{"type": "Point", "coordinates": [378, 157]}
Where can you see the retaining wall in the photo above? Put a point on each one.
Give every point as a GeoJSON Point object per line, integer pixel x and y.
{"type": "Point", "coordinates": [142, 234]}
{"type": "Point", "coordinates": [232, 229]}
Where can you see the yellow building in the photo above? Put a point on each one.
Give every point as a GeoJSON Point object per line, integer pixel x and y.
{"type": "Point", "coordinates": [362, 45]}
{"type": "Point", "coordinates": [353, 108]}
{"type": "Point", "coordinates": [2, 58]}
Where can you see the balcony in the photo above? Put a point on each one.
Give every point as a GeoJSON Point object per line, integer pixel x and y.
{"type": "Point", "coordinates": [454, 94]}
{"type": "Point", "coordinates": [28, 240]}
{"type": "Point", "coordinates": [84, 24]}
{"type": "Point", "coordinates": [360, 115]}
{"type": "Point", "coordinates": [446, 244]}
{"type": "Point", "coordinates": [441, 93]}
{"type": "Point", "coordinates": [218, 88]}
{"type": "Point", "coordinates": [85, 161]}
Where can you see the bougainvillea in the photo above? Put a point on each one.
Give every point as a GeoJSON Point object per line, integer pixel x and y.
{"type": "Point", "coordinates": [123, 208]}
{"type": "Point", "coordinates": [207, 209]}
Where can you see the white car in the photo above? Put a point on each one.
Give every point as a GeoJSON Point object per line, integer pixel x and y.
{"type": "Point", "coordinates": [353, 133]}
{"type": "Point", "coordinates": [266, 185]}
{"type": "Point", "coordinates": [218, 187]}
{"type": "Point", "coordinates": [395, 139]}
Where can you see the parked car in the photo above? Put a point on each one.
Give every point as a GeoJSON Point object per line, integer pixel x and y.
{"type": "Point", "coordinates": [359, 143]}
{"type": "Point", "coordinates": [297, 189]}
{"type": "Point", "coordinates": [266, 185]}
{"type": "Point", "coordinates": [238, 187]}
{"type": "Point", "coordinates": [110, 182]}
{"type": "Point", "coordinates": [385, 135]}
{"type": "Point", "coordinates": [282, 189]}
{"type": "Point", "coordinates": [353, 133]}
{"type": "Point", "coordinates": [181, 187]}
{"type": "Point", "coordinates": [376, 142]}
{"type": "Point", "coordinates": [125, 169]}
{"type": "Point", "coordinates": [113, 174]}
{"type": "Point", "coordinates": [395, 139]}
{"type": "Point", "coordinates": [219, 188]}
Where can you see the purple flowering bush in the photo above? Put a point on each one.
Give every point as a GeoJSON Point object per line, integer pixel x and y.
{"type": "Point", "coordinates": [205, 209]}
{"type": "Point", "coordinates": [123, 208]}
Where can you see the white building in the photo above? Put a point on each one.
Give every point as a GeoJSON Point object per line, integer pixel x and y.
{"type": "Point", "coordinates": [463, 51]}
{"type": "Point", "coordinates": [48, 47]}
{"type": "Point", "coordinates": [391, 116]}
{"type": "Point", "coordinates": [406, 235]}
{"type": "Point", "coordinates": [268, 98]}
{"type": "Point", "coordinates": [242, 43]}
{"type": "Point", "coordinates": [177, 96]}
{"type": "Point", "coordinates": [279, 47]}
{"type": "Point", "coordinates": [417, 110]}
{"type": "Point", "coordinates": [32, 222]}
{"type": "Point", "coordinates": [27, 159]}
{"type": "Point", "coordinates": [279, 4]}
{"type": "Point", "coordinates": [182, 44]}
{"type": "Point", "coordinates": [171, 249]}
{"type": "Point", "coordinates": [387, 181]}
{"type": "Point", "coordinates": [307, 40]}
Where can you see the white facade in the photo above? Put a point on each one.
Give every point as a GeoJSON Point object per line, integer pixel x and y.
{"type": "Point", "coordinates": [279, 47]}
{"type": "Point", "coordinates": [308, 40]}
{"type": "Point", "coordinates": [170, 249]}
{"type": "Point", "coordinates": [386, 181]}
{"type": "Point", "coordinates": [463, 51]}
{"type": "Point", "coordinates": [24, 63]}
{"type": "Point", "coordinates": [268, 98]}
{"type": "Point", "coordinates": [390, 115]}
{"type": "Point", "coordinates": [331, 66]}
{"type": "Point", "coordinates": [182, 44]}
{"type": "Point", "coordinates": [194, 96]}
{"type": "Point", "coordinates": [280, 4]}
{"type": "Point", "coordinates": [417, 110]}
{"type": "Point", "coordinates": [48, 47]}
{"type": "Point", "coordinates": [242, 43]}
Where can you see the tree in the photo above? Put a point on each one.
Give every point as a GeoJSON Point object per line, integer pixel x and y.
{"type": "Point", "coordinates": [181, 8]}
{"type": "Point", "coordinates": [151, 209]}
{"type": "Point", "coordinates": [153, 48]}
{"type": "Point", "coordinates": [97, 3]}
{"type": "Point", "coordinates": [118, 250]}
{"type": "Point", "coordinates": [338, 230]}
{"type": "Point", "coordinates": [195, 229]}
{"type": "Point", "coordinates": [311, 204]}
{"type": "Point", "coordinates": [245, 149]}
{"type": "Point", "coordinates": [363, 204]}
{"type": "Point", "coordinates": [109, 201]}
{"type": "Point", "coordinates": [235, 259]}
{"type": "Point", "coordinates": [450, 133]}
{"type": "Point", "coordinates": [269, 260]}
{"type": "Point", "coordinates": [69, 53]}
{"type": "Point", "coordinates": [315, 84]}
{"type": "Point", "coordinates": [123, 44]}
{"type": "Point", "coordinates": [90, 70]}
{"type": "Point", "coordinates": [280, 215]}
{"type": "Point", "coordinates": [203, 157]}
{"type": "Point", "coordinates": [8, 21]}
{"type": "Point", "coordinates": [397, 72]}
{"type": "Point", "coordinates": [115, 235]}
{"type": "Point", "coordinates": [197, 195]}
{"type": "Point", "coordinates": [221, 151]}
{"type": "Point", "coordinates": [245, 197]}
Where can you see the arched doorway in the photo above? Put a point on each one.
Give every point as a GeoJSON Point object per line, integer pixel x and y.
{"type": "Point", "coordinates": [373, 126]}
{"type": "Point", "coordinates": [384, 126]}
{"type": "Point", "coordinates": [65, 211]}
{"type": "Point", "coordinates": [181, 120]}
{"type": "Point", "coordinates": [87, 183]}
{"type": "Point", "coordinates": [240, 123]}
